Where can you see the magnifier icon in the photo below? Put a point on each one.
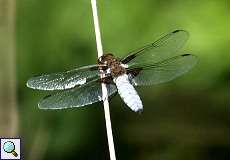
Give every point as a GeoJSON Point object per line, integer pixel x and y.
{"type": "Point", "coordinates": [9, 147]}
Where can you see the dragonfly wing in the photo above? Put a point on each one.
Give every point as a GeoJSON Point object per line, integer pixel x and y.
{"type": "Point", "coordinates": [76, 97]}
{"type": "Point", "coordinates": [162, 49]}
{"type": "Point", "coordinates": [64, 80]}
{"type": "Point", "coordinates": [164, 71]}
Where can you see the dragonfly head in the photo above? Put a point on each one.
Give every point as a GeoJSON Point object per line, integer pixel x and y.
{"type": "Point", "coordinates": [106, 59]}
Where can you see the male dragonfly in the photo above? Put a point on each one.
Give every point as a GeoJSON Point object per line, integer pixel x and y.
{"type": "Point", "coordinates": [154, 63]}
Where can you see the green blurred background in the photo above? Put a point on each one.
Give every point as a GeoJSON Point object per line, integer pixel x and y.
{"type": "Point", "coordinates": [188, 118]}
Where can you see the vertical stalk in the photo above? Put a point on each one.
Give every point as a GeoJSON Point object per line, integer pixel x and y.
{"type": "Point", "coordinates": [8, 109]}
{"type": "Point", "coordinates": [104, 89]}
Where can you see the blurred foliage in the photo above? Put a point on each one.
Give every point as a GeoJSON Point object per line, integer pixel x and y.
{"type": "Point", "coordinates": [185, 119]}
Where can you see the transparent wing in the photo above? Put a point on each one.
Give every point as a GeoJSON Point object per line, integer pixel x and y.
{"type": "Point", "coordinates": [164, 71]}
{"type": "Point", "coordinates": [64, 80]}
{"type": "Point", "coordinates": [76, 97]}
{"type": "Point", "coordinates": [162, 49]}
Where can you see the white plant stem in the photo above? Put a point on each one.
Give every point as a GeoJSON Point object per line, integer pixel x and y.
{"type": "Point", "coordinates": [104, 89]}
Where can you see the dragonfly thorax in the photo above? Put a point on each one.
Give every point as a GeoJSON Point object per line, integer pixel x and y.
{"type": "Point", "coordinates": [114, 65]}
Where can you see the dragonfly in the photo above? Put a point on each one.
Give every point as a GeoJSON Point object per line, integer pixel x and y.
{"type": "Point", "coordinates": [155, 63]}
